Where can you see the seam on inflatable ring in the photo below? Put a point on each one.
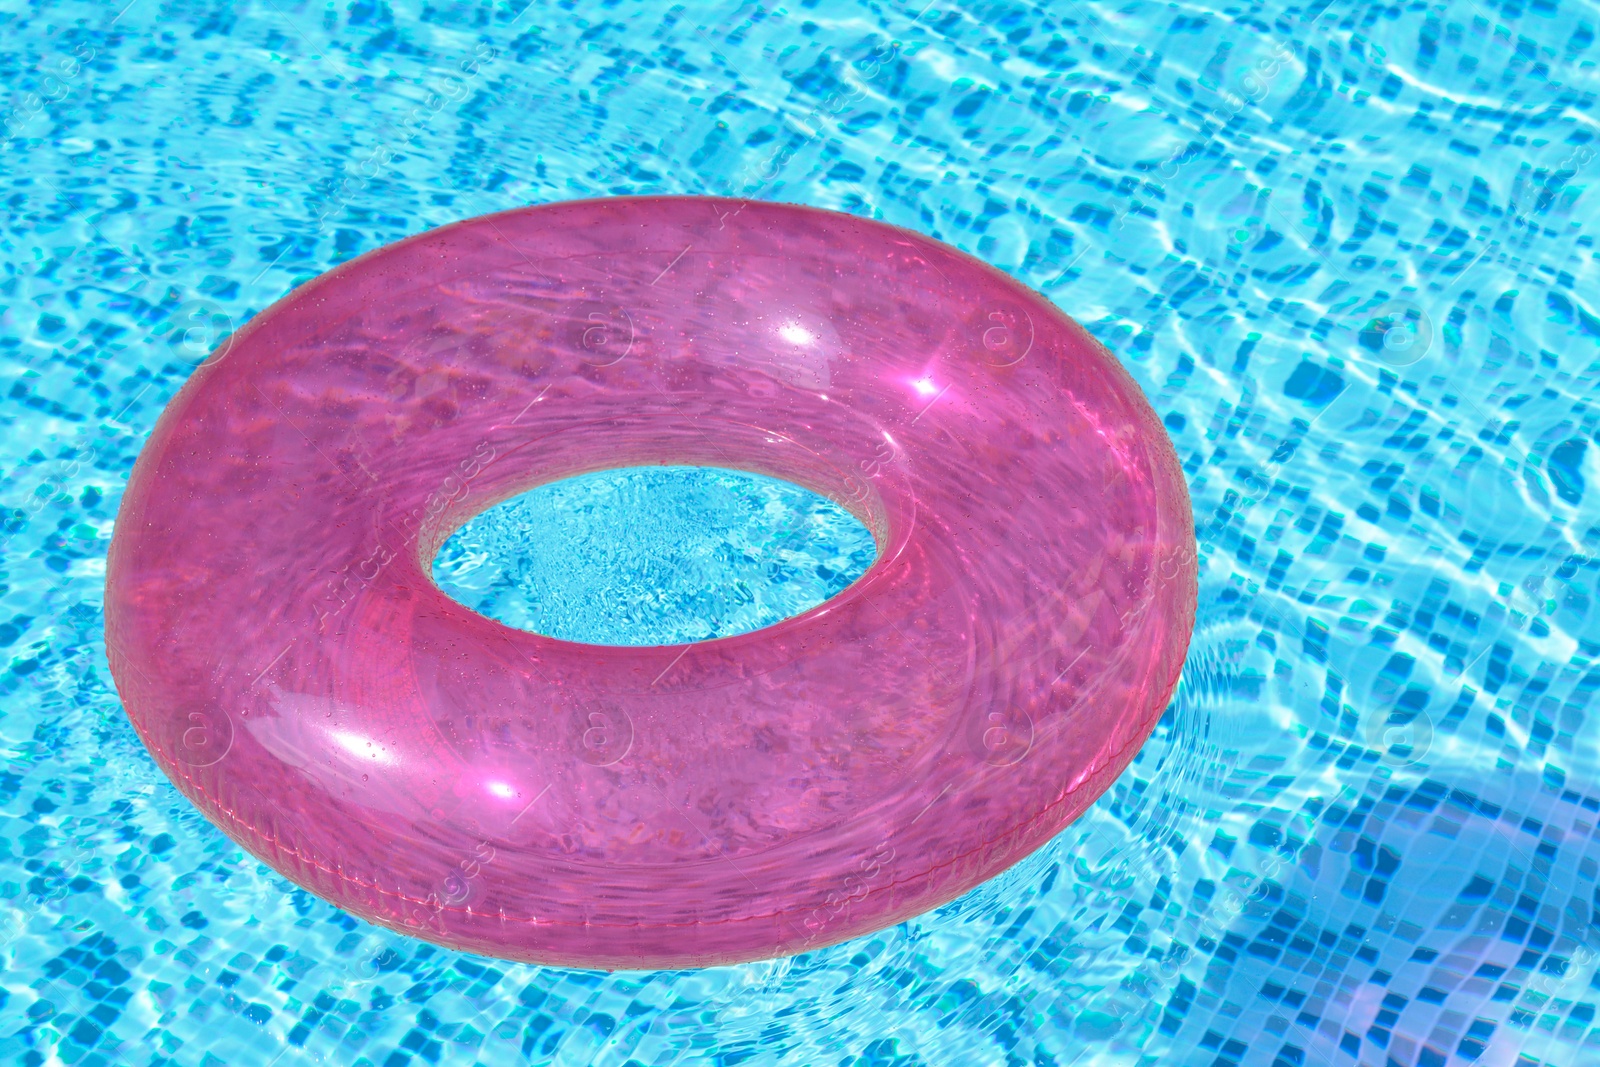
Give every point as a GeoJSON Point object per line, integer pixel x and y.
{"type": "Point", "coordinates": [434, 906]}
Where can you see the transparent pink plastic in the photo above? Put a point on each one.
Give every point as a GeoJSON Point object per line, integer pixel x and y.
{"type": "Point", "coordinates": [281, 648]}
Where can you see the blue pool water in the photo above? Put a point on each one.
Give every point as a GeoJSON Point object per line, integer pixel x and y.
{"type": "Point", "coordinates": [654, 556]}
{"type": "Point", "coordinates": [1347, 250]}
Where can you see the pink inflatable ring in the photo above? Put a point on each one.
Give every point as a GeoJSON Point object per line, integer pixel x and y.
{"type": "Point", "coordinates": [280, 647]}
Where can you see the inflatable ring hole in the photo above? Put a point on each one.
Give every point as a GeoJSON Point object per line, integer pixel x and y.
{"type": "Point", "coordinates": [654, 555]}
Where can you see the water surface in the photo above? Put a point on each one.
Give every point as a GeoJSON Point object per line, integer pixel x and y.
{"type": "Point", "coordinates": [1347, 250]}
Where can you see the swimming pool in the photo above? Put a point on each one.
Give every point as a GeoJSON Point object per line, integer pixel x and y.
{"type": "Point", "coordinates": [1343, 249]}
